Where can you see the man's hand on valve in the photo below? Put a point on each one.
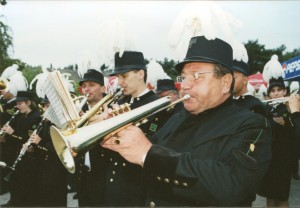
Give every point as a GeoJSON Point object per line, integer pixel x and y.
{"type": "Point", "coordinates": [130, 143]}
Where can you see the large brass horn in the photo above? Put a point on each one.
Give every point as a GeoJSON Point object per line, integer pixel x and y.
{"type": "Point", "coordinates": [68, 144]}
{"type": "Point", "coordinates": [3, 84]}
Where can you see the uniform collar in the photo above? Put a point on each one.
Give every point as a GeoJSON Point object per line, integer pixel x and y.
{"type": "Point", "coordinates": [140, 95]}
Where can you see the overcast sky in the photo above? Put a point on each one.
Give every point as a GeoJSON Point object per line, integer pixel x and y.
{"type": "Point", "coordinates": [60, 32]}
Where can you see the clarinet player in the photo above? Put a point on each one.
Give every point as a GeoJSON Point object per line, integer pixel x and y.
{"type": "Point", "coordinates": [23, 184]}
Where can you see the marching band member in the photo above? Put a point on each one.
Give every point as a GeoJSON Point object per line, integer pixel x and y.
{"type": "Point", "coordinates": [86, 176]}
{"type": "Point", "coordinates": [276, 184]}
{"type": "Point", "coordinates": [121, 181]}
{"type": "Point", "coordinates": [23, 185]}
{"type": "Point", "coordinates": [166, 87]}
{"type": "Point", "coordinates": [52, 176]}
{"type": "Point", "coordinates": [17, 82]}
{"type": "Point", "coordinates": [203, 152]}
{"type": "Point", "coordinates": [241, 95]}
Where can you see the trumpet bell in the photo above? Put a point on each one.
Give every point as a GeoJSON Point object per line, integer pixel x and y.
{"type": "Point", "coordinates": [3, 84]}
{"type": "Point", "coordinates": [62, 149]}
{"type": "Point", "coordinates": [68, 144]}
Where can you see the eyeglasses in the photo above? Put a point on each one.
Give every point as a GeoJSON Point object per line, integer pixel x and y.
{"type": "Point", "coordinates": [191, 77]}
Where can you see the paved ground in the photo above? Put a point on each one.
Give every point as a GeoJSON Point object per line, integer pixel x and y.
{"type": "Point", "coordinates": [294, 199]}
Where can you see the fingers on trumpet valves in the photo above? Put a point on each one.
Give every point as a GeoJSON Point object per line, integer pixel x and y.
{"type": "Point", "coordinates": [119, 109]}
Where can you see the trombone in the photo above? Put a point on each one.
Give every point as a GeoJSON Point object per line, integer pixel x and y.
{"type": "Point", "coordinates": [68, 144]}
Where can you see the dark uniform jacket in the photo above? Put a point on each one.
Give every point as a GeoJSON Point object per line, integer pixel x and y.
{"type": "Point", "coordinates": [252, 103]}
{"type": "Point", "coordinates": [116, 182]}
{"type": "Point", "coordinates": [52, 177]}
{"type": "Point", "coordinates": [276, 183]}
{"type": "Point", "coordinates": [6, 148]}
{"type": "Point", "coordinates": [215, 158]}
{"type": "Point", "coordinates": [24, 181]}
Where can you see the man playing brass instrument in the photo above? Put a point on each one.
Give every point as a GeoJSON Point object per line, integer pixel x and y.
{"type": "Point", "coordinates": [92, 86]}
{"type": "Point", "coordinates": [120, 182]}
{"type": "Point", "coordinates": [213, 153]}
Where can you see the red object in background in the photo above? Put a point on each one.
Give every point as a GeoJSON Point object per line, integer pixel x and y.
{"type": "Point", "coordinates": [178, 85]}
{"type": "Point", "coordinates": [80, 90]}
{"type": "Point", "coordinates": [256, 80]}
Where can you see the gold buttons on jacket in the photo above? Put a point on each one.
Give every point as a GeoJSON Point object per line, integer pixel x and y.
{"type": "Point", "coordinates": [152, 204]}
{"type": "Point", "coordinates": [167, 180]}
{"type": "Point", "coordinates": [185, 184]}
{"type": "Point", "coordinates": [176, 182]}
{"type": "Point", "coordinates": [158, 178]}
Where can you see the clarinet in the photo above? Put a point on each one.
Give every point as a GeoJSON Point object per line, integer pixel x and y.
{"type": "Point", "coordinates": [2, 133]}
{"type": "Point", "coordinates": [23, 151]}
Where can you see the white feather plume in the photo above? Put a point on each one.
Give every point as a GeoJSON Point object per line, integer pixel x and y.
{"type": "Point", "coordinates": [272, 69]}
{"type": "Point", "coordinates": [9, 71]}
{"type": "Point", "coordinates": [87, 60]}
{"type": "Point", "coordinates": [17, 83]}
{"type": "Point", "coordinates": [201, 18]}
{"type": "Point", "coordinates": [239, 51]}
{"type": "Point", "coordinates": [154, 73]}
{"type": "Point", "coordinates": [68, 82]}
{"type": "Point", "coordinates": [114, 38]}
{"type": "Point", "coordinates": [39, 87]}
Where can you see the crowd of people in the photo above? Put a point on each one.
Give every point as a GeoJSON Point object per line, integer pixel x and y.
{"type": "Point", "coordinates": [219, 147]}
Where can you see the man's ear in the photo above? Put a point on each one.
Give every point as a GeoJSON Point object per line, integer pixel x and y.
{"type": "Point", "coordinates": [141, 74]}
{"type": "Point", "coordinates": [227, 80]}
{"type": "Point", "coordinates": [103, 88]}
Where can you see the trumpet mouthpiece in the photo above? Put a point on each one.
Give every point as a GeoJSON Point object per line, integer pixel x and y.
{"type": "Point", "coordinates": [186, 97]}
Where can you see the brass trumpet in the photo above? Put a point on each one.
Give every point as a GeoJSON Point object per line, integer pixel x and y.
{"type": "Point", "coordinates": [107, 100]}
{"type": "Point", "coordinates": [80, 101]}
{"type": "Point", "coordinates": [3, 84]}
{"type": "Point", "coordinates": [68, 144]}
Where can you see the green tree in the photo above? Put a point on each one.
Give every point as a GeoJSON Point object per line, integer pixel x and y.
{"type": "Point", "coordinates": [259, 55]}
{"type": "Point", "coordinates": [6, 42]}
{"type": "Point", "coordinates": [29, 72]}
{"type": "Point", "coordinates": [169, 67]}
{"type": "Point", "coordinates": [289, 55]}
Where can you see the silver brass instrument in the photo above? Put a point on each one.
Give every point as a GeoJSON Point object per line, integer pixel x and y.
{"type": "Point", "coordinates": [68, 144]}
{"type": "Point", "coordinates": [276, 101]}
{"type": "Point", "coordinates": [23, 151]}
{"type": "Point", "coordinates": [2, 133]}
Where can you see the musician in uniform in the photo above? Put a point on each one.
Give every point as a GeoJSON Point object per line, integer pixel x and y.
{"type": "Point", "coordinates": [23, 184]}
{"type": "Point", "coordinates": [52, 175]}
{"type": "Point", "coordinates": [212, 154]}
{"type": "Point", "coordinates": [8, 109]}
{"type": "Point", "coordinates": [121, 181]}
{"type": "Point", "coordinates": [294, 106]}
{"type": "Point", "coordinates": [86, 176]}
{"type": "Point", "coordinates": [276, 184]}
{"type": "Point", "coordinates": [166, 87]}
{"type": "Point", "coordinates": [241, 95]}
